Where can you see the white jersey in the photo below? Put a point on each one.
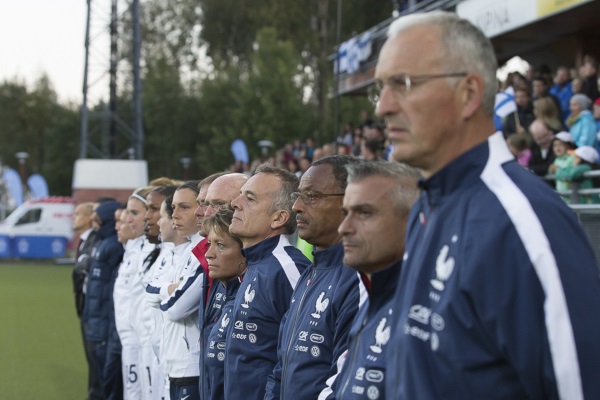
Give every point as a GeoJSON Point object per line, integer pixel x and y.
{"type": "Point", "coordinates": [138, 293]}
{"type": "Point", "coordinates": [180, 349]}
{"type": "Point", "coordinates": [122, 290]}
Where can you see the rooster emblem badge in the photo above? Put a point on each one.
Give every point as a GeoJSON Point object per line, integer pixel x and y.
{"type": "Point", "coordinates": [320, 306]}
{"type": "Point", "coordinates": [444, 266]}
{"type": "Point", "coordinates": [248, 296]}
{"type": "Point", "coordinates": [382, 335]}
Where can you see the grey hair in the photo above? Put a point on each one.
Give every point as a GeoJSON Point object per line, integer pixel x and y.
{"type": "Point", "coordinates": [466, 48]}
{"type": "Point", "coordinates": [406, 190]}
{"type": "Point", "coordinates": [282, 199]}
{"type": "Point", "coordinates": [582, 100]}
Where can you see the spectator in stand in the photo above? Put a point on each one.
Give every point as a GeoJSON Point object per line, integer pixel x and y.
{"type": "Point", "coordinates": [589, 76]}
{"type": "Point", "coordinates": [304, 165]}
{"type": "Point", "coordinates": [371, 150]}
{"type": "Point", "coordinates": [562, 89]}
{"type": "Point", "coordinates": [542, 154]}
{"type": "Point", "coordinates": [540, 89]}
{"type": "Point", "coordinates": [345, 136]}
{"type": "Point", "coordinates": [546, 109]}
{"type": "Point", "coordinates": [357, 141]}
{"type": "Point", "coordinates": [563, 142]}
{"type": "Point", "coordinates": [518, 144]}
{"type": "Point", "coordinates": [310, 148]}
{"type": "Point", "coordinates": [293, 167]}
{"type": "Point", "coordinates": [318, 153]}
{"type": "Point", "coordinates": [577, 85]}
{"type": "Point", "coordinates": [342, 149]}
{"type": "Point", "coordinates": [585, 159]}
{"type": "Point", "coordinates": [520, 121]}
{"type": "Point", "coordinates": [597, 116]}
{"type": "Point", "coordinates": [581, 123]}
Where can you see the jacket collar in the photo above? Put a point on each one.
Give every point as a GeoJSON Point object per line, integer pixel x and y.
{"type": "Point", "coordinates": [264, 249]}
{"type": "Point", "coordinates": [459, 174]}
{"type": "Point", "coordinates": [329, 257]}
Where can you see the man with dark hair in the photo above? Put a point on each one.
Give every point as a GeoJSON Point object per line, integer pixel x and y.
{"type": "Point", "coordinates": [494, 296]}
{"type": "Point", "coordinates": [314, 331]}
{"type": "Point", "coordinates": [263, 218]}
{"type": "Point", "coordinates": [376, 206]}
{"type": "Point", "coordinates": [562, 89]}
{"type": "Point", "coordinates": [520, 120]}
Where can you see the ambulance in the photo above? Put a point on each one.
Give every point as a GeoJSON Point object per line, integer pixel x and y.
{"type": "Point", "coordinates": [40, 228]}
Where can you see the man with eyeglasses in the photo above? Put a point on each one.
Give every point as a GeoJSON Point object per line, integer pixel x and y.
{"type": "Point", "coordinates": [263, 219]}
{"type": "Point", "coordinates": [314, 331]}
{"type": "Point", "coordinates": [499, 282]}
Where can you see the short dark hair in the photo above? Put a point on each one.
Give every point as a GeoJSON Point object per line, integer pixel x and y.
{"type": "Point", "coordinates": [338, 166]}
{"type": "Point", "coordinates": [192, 185]}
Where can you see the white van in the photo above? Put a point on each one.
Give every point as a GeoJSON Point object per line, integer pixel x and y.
{"type": "Point", "coordinates": [39, 228]}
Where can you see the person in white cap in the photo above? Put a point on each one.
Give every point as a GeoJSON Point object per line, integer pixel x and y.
{"type": "Point", "coordinates": [584, 160]}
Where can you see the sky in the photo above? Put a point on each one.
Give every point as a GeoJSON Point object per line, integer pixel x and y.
{"type": "Point", "coordinates": [48, 36]}
{"type": "Point", "coordinates": [44, 36]}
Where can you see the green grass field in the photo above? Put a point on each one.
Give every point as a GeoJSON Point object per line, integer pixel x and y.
{"type": "Point", "coordinates": [41, 353]}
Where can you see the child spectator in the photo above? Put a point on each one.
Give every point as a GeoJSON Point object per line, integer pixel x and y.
{"type": "Point", "coordinates": [586, 157]}
{"type": "Point", "coordinates": [563, 142]}
{"type": "Point", "coordinates": [518, 144]}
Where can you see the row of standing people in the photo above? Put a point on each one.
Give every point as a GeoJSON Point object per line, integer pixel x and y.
{"type": "Point", "coordinates": [482, 290]}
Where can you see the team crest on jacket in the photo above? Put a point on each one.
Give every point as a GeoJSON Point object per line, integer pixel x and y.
{"type": "Point", "coordinates": [320, 306]}
{"type": "Point", "coordinates": [224, 322]}
{"type": "Point", "coordinates": [444, 266]}
{"type": "Point", "coordinates": [382, 336]}
{"type": "Point", "coordinates": [248, 296]}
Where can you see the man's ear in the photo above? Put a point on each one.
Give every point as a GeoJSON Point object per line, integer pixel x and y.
{"type": "Point", "coordinates": [280, 218]}
{"type": "Point", "coordinates": [471, 91]}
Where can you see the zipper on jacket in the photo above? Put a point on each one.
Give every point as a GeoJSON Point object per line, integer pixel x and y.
{"type": "Point", "coordinates": [287, 353]}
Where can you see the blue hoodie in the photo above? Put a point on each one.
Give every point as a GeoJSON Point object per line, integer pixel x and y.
{"type": "Point", "coordinates": [107, 255]}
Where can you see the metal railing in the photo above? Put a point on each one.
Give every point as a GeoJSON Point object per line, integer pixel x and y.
{"type": "Point", "coordinates": [575, 192]}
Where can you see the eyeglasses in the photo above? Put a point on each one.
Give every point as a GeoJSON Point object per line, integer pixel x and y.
{"type": "Point", "coordinates": [311, 198]}
{"type": "Point", "coordinates": [402, 83]}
